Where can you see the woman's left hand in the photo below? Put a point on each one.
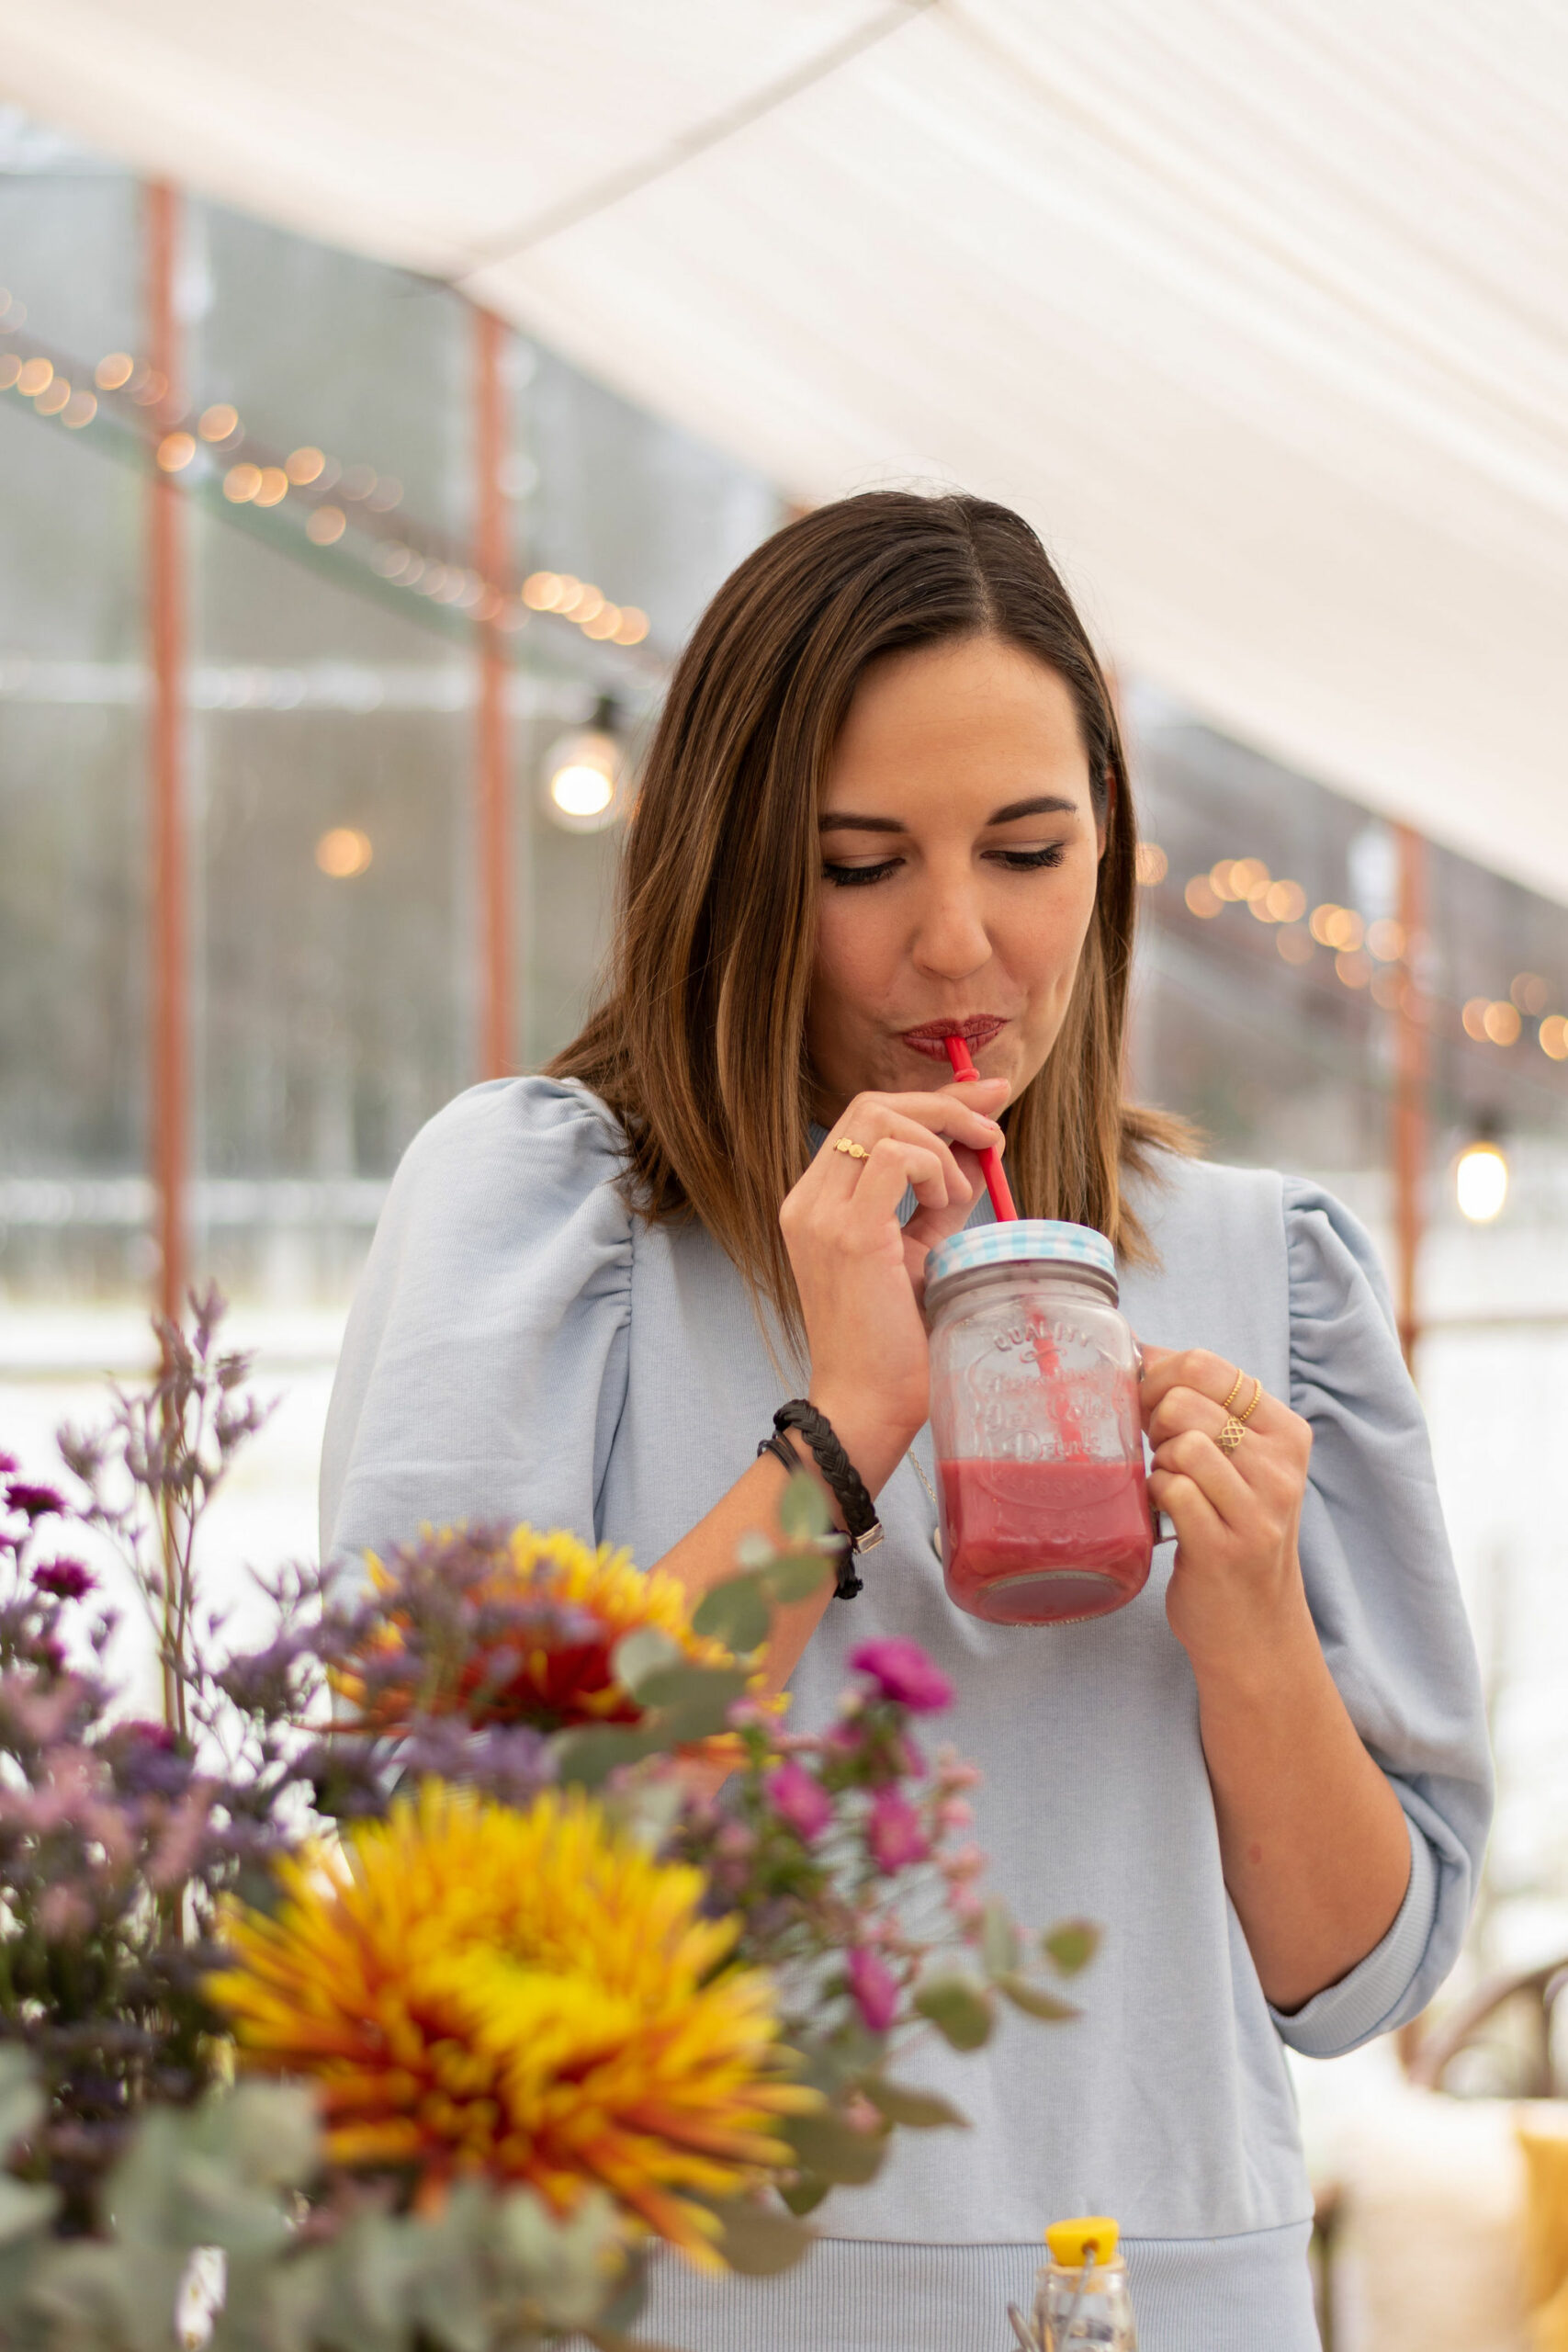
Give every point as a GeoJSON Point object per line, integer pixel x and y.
{"type": "Point", "coordinates": [1236, 1590]}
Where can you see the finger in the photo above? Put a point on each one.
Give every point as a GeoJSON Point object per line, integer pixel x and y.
{"type": "Point", "coordinates": [1186, 1507]}
{"type": "Point", "coordinates": [876, 1124]}
{"type": "Point", "coordinates": [962, 1113]}
{"type": "Point", "coordinates": [893, 1167]}
{"type": "Point", "coordinates": [1185, 1408]}
{"type": "Point", "coordinates": [1207, 1374]}
{"type": "Point", "coordinates": [1194, 1455]}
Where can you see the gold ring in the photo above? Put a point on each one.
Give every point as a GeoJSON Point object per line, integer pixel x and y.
{"type": "Point", "coordinates": [1254, 1403]}
{"type": "Point", "coordinates": [855, 1150]}
{"type": "Point", "coordinates": [1227, 1402]}
{"type": "Point", "coordinates": [1231, 1436]}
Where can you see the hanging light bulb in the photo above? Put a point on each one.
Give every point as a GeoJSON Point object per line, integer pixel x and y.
{"type": "Point", "coordinates": [1481, 1178]}
{"type": "Point", "coordinates": [583, 773]}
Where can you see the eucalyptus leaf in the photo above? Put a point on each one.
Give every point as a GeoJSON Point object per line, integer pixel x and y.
{"type": "Point", "coordinates": [832, 2148]}
{"type": "Point", "coordinates": [805, 2195]}
{"type": "Point", "coordinates": [21, 2099]}
{"type": "Point", "coordinates": [802, 1509]}
{"type": "Point", "coordinates": [24, 2205]}
{"type": "Point", "coordinates": [565, 2269]}
{"type": "Point", "coordinates": [796, 1577]}
{"type": "Point", "coordinates": [588, 1757]}
{"type": "Point", "coordinates": [999, 1938]}
{"type": "Point", "coordinates": [1070, 1945]}
{"type": "Point", "coordinates": [1034, 2001]}
{"type": "Point", "coordinates": [270, 2304]}
{"type": "Point", "coordinates": [685, 1687]}
{"type": "Point", "coordinates": [364, 2303]}
{"type": "Point", "coordinates": [755, 1550]}
{"type": "Point", "coordinates": [760, 2244]}
{"type": "Point", "coordinates": [640, 1652]}
{"type": "Point", "coordinates": [959, 2008]}
{"type": "Point", "coordinates": [735, 1612]}
{"type": "Point", "coordinates": [915, 2111]}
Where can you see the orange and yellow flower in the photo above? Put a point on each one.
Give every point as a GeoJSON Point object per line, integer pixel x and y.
{"type": "Point", "coordinates": [536, 1646]}
{"type": "Point", "coordinates": [526, 1995]}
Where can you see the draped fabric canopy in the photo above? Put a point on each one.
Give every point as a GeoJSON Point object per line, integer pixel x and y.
{"type": "Point", "coordinates": [1258, 313]}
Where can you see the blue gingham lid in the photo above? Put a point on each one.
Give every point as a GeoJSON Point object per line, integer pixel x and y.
{"type": "Point", "coordinates": [1025, 1241]}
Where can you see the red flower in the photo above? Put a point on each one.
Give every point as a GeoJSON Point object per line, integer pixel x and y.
{"type": "Point", "coordinates": [800, 1800]}
{"type": "Point", "coordinates": [874, 1989]}
{"type": "Point", "coordinates": [894, 1832]}
{"type": "Point", "coordinates": [905, 1674]}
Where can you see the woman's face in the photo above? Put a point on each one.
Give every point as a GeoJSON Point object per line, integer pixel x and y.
{"type": "Point", "coordinates": [960, 852]}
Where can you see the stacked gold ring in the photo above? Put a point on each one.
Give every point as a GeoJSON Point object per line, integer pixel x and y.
{"type": "Point", "coordinates": [1234, 1430]}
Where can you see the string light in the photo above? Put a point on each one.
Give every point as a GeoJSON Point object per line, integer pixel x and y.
{"type": "Point", "coordinates": [1552, 1037]}
{"type": "Point", "coordinates": [1202, 898]}
{"type": "Point", "coordinates": [1354, 969]}
{"type": "Point", "coordinates": [1151, 864]}
{"type": "Point", "coordinates": [1530, 992]}
{"type": "Point", "coordinates": [251, 482]}
{"type": "Point", "coordinates": [1481, 1180]}
{"type": "Point", "coordinates": [1385, 940]}
{"type": "Point", "coordinates": [343, 853]}
{"type": "Point", "coordinates": [1295, 944]}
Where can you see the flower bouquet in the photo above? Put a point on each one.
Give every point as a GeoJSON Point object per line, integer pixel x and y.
{"type": "Point", "coordinates": [481, 1929]}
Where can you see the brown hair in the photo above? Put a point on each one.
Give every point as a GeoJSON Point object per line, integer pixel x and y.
{"type": "Point", "coordinates": [698, 1043]}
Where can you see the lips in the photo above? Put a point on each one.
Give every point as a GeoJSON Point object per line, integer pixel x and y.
{"type": "Point", "coordinates": [976, 1032]}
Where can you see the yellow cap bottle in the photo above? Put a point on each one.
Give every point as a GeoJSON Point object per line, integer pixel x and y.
{"type": "Point", "coordinates": [1081, 2297]}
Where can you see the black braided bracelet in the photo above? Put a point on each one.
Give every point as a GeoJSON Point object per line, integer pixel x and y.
{"type": "Point", "coordinates": [849, 1488]}
{"type": "Point", "coordinates": [847, 1583]}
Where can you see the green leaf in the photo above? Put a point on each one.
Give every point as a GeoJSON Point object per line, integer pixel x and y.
{"type": "Point", "coordinates": [640, 1653]}
{"type": "Point", "coordinates": [760, 2244]}
{"type": "Point", "coordinates": [999, 1938]}
{"type": "Point", "coordinates": [796, 1576]}
{"type": "Point", "coordinates": [21, 2101]}
{"type": "Point", "coordinates": [802, 1509]}
{"type": "Point", "coordinates": [735, 1612]}
{"type": "Point", "coordinates": [565, 2269]}
{"type": "Point", "coordinates": [270, 2304]}
{"type": "Point", "coordinates": [24, 2206]}
{"type": "Point", "coordinates": [959, 2008]}
{"type": "Point", "coordinates": [755, 1550]}
{"type": "Point", "coordinates": [829, 2147]}
{"type": "Point", "coordinates": [1070, 1945]}
{"type": "Point", "coordinates": [588, 1757]}
{"type": "Point", "coordinates": [915, 2111]}
{"type": "Point", "coordinates": [1034, 2002]}
{"type": "Point", "coordinates": [803, 2196]}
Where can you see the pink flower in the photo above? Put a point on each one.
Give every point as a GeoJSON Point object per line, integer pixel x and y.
{"type": "Point", "coordinates": [874, 1989]}
{"type": "Point", "coordinates": [968, 1861]}
{"type": "Point", "coordinates": [904, 1673]}
{"type": "Point", "coordinates": [894, 1832]}
{"type": "Point", "coordinates": [799, 1799]}
{"type": "Point", "coordinates": [955, 1813]}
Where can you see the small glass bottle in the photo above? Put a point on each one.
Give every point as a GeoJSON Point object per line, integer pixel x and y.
{"type": "Point", "coordinates": [1080, 2296]}
{"type": "Point", "coordinates": [1036, 1424]}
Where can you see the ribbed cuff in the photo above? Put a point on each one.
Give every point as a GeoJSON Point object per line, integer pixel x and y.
{"type": "Point", "coordinates": [1363, 2002]}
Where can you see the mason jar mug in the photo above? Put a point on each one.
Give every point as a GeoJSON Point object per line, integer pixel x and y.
{"type": "Point", "coordinates": [1034, 1417]}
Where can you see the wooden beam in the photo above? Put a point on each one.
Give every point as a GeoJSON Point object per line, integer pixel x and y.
{"type": "Point", "coordinates": [169, 910]}
{"type": "Point", "coordinates": [492, 561]}
{"type": "Point", "coordinates": [1412, 1112]}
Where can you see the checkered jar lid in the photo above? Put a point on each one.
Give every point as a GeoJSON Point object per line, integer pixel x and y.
{"type": "Point", "coordinates": [1021, 1241]}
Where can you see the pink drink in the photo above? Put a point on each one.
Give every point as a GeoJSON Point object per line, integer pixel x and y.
{"type": "Point", "coordinates": [1035, 1542]}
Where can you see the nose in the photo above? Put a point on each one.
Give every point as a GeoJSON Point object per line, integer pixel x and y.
{"type": "Point", "coordinates": [951, 941]}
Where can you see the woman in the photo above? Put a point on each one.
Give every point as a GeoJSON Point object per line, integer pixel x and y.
{"type": "Point", "coordinates": [888, 799]}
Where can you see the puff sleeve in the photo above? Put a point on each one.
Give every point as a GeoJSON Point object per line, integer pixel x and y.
{"type": "Point", "coordinates": [1384, 1598]}
{"type": "Point", "coordinates": [484, 1366]}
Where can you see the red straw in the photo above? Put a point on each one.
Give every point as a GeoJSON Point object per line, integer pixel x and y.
{"type": "Point", "coordinates": [990, 1160]}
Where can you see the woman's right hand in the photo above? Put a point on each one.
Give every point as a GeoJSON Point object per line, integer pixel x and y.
{"type": "Point", "coordinates": [860, 1275]}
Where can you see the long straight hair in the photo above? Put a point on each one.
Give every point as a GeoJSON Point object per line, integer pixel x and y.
{"type": "Point", "coordinates": [698, 1043]}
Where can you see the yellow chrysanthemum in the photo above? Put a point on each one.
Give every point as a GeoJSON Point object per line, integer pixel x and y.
{"type": "Point", "coordinates": [528, 1995]}
{"type": "Point", "coordinates": [526, 1670]}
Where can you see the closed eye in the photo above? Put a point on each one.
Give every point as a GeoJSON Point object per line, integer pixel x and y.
{"type": "Point", "coordinates": [1015, 861]}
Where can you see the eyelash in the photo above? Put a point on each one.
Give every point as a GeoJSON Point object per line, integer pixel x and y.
{"type": "Point", "coordinates": [1017, 861]}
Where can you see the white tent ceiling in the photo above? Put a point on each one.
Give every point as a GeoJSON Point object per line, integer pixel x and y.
{"type": "Point", "coordinates": [1259, 312]}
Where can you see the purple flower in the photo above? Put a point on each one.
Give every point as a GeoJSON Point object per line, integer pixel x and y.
{"type": "Point", "coordinates": [799, 1799]}
{"type": "Point", "coordinates": [38, 1502]}
{"type": "Point", "coordinates": [905, 1674]}
{"type": "Point", "coordinates": [66, 1579]}
{"type": "Point", "coordinates": [874, 1988]}
{"type": "Point", "coordinates": [894, 1832]}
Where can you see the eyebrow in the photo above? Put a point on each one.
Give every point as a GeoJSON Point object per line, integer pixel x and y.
{"type": "Point", "coordinates": [1044, 804]}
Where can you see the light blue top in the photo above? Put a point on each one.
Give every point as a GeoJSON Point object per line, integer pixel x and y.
{"type": "Point", "coordinates": [521, 1347]}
